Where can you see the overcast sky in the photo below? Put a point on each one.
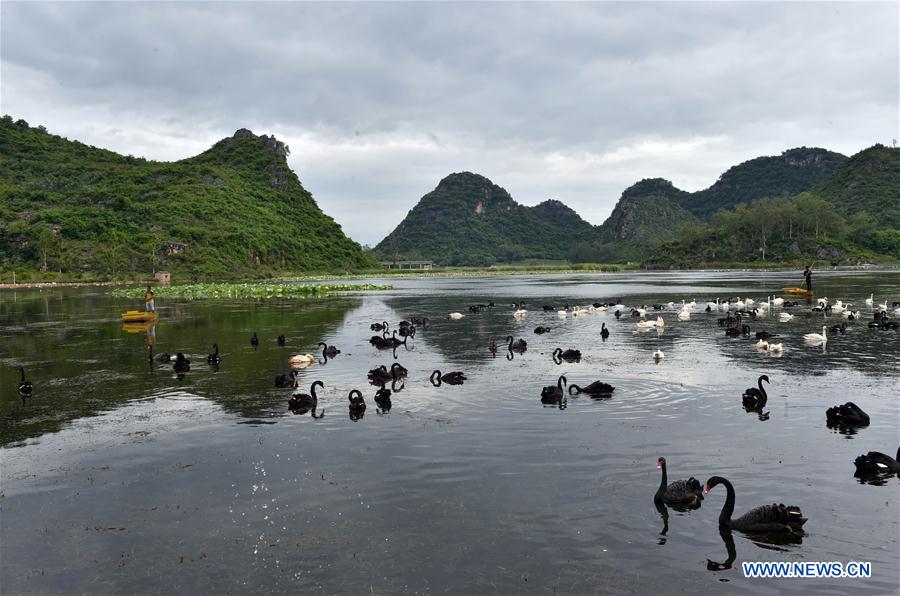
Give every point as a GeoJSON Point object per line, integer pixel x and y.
{"type": "Point", "coordinates": [378, 102]}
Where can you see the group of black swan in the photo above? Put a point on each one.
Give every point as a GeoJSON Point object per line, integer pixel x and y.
{"type": "Point", "coordinates": [765, 519]}
{"type": "Point", "coordinates": [679, 494]}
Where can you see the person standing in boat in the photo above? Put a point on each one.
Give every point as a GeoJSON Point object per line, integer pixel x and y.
{"type": "Point", "coordinates": [148, 298]}
{"type": "Point", "coordinates": [807, 275]}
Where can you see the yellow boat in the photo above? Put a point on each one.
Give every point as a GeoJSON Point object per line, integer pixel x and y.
{"type": "Point", "coordinates": [800, 291]}
{"type": "Point", "coordinates": [138, 327]}
{"type": "Point", "coordinates": [139, 316]}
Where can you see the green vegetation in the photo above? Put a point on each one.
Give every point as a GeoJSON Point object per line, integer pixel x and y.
{"type": "Point", "coordinates": [800, 229]}
{"type": "Point", "coordinates": [280, 291]}
{"type": "Point", "coordinates": [868, 182]}
{"type": "Point", "coordinates": [792, 172]}
{"type": "Point", "coordinates": [470, 221]}
{"type": "Point", "coordinates": [235, 210]}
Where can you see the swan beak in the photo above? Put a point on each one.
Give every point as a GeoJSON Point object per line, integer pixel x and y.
{"type": "Point", "coordinates": [708, 489]}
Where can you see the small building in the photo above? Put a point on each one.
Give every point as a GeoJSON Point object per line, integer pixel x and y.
{"type": "Point", "coordinates": [163, 278]}
{"type": "Point", "coordinates": [424, 265]}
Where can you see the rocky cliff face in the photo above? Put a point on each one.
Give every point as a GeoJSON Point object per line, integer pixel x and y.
{"type": "Point", "coordinates": [648, 212]}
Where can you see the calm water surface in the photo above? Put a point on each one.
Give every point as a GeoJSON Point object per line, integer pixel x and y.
{"type": "Point", "coordinates": [117, 476]}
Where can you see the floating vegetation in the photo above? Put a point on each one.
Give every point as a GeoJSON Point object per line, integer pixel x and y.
{"type": "Point", "coordinates": [254, 291]}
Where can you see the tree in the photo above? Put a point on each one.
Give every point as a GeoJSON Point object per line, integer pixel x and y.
{"type": "Point", "coordinates": [46, 242]}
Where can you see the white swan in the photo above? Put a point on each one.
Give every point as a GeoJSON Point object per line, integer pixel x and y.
{"type": "Point", "coordinates": [870, 300]}
{"type": "Point", "coordinates": [658, 355]}
{"type": "Point", "coordinates": [301, 360]}
{"type": "Point", "coordinates": [778, 301]}
{"type": "Point", "coordinates": [684, 315]}
{"type": "Point", "coordinates": [762, 345]}
{"type": "Point", "coordinates": [883, 305]}
{"type": "Point", "coordinates": [645, 325]}
{"type": "Point", "coordinates": [455, 316]}
{"type": "Point", "coordinates": [520, 313]}
{"type": "Point", "coordinates": [660, 322]}
{"type": "Point", "coordinates": [775, 348]}
{"type": "Point", "coordinates": [848, 313]}
{"type": "Point", "coordinates": [815, 338]}
{"type": "Point", "coordinates": [785, 317]}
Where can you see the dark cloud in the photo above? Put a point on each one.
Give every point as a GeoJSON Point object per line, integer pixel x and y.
{"type": "Point", "coordinates": [378, 101]}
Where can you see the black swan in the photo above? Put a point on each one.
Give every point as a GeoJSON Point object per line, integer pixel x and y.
{"type": "Point", "coordinates": [567, 355]}
{"type": "Point", "coordinates": [303, 400]}
{"type": "Point", "coordinates": [451, 378]}
{"type": "Point", "coordinates": [328, 351]}
{"type": "Point", "coordinates": [409, 331]}
{"type": "Point", "coordinates": [765, 519]}
{"type": "Point", "coordinates": [848, 414]}
{"type": "Point", "coordinates": [684, 493]}
{"type": "Point", "coordinates": [875, 462]}
{"type": "Point", "coordinates": [541, 330]}
{"type": "Point", "coordinates": [383, 398]}
{"type": "Point", "coordinates": [254, 341]}
{"type": "Point", "coordinates": [394, 342]}
{"type": "Point", "coordinates": [381, 373]}
{"type": "Point", "coordinates": [398, 370]}
{"type": "Point", "coordinates": [552, 394]}
{"type": "Point", "coordinates": [755, 399]}
{"type": "Point", "coordinates": [357, 403]}
{"type": "Point", "coordinates": [604, 332]}
{"type": "Point", "coordinates": [214, 358]}
{"type": "Point", "coordinates": [548, 308]}
{"type": "Point", "coordinates": [520, 345]}
{"type": "Point", "coordinates": [163, 358]}
{"type": "Point", "coordinates": [382, 326]}
{"type": "Point", "coordinates": [282, 340]}
{"type": "Point", "coordinates": [283, 381]}
{"type": "Point", "coordinates": [25, 387]}
{"type": "Point", "coordinates": [842, 328]}
{"type": "Point", "coordinates": [765, 335]}
{"type": "Point", "coordinates": [595, 388]}
{"type": "Point", "coordinates": [182, 364]}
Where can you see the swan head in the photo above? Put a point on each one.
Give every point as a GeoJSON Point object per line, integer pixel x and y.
{"type": "Point", "coordinates": [765, 378]}
{"type": "Point", "coordinates": [661, 463]}
{"type": "Point", "coordinates": [713, 482]}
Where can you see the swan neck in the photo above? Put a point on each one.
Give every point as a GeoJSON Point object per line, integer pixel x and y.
{"type": "Point", "coordinates": [662, 481]}
{"type": "Point", "coordinates": [728, 508]}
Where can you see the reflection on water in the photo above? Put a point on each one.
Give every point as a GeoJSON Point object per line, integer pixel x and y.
{"type": "Point", "coordinates": [122, 475]}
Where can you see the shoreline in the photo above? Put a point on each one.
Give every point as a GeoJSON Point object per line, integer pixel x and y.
{"type": "Point", "coordinates": [439, 273]}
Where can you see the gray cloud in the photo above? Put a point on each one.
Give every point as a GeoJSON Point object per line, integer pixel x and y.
{"type": "Point", "coordinates": [378, 101]}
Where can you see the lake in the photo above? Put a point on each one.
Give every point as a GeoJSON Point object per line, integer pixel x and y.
{"type": "Point", "coordinates": [120, 476]}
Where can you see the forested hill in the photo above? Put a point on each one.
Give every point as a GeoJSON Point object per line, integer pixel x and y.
{"type": "Point", "coordinates": [469, 220]}
{"type": "Point", "coordinates": [237, 208]}
{"type": "Point", "coordinates": [853, 216]}
{"type": "Point", "coordinates": [790, 173]}
{"type": "Point", "coordinates": [868, 182]}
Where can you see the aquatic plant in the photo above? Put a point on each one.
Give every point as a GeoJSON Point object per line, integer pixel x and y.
{"type": "Point", "coordinates": [243, 291]}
